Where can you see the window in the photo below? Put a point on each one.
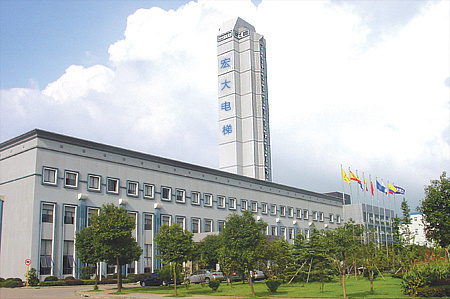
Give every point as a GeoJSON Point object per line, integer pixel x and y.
{"type": "Point", "coordinates": [181, 196]}
{"type": "Point", "coordinates": [195, 198]}
{"type": "Point", "coordinates": [232, 203]}
{"type": "Point", "coordinates": [244, 205]}
{"type": "Point", "coordinates": [208, 200]}
{"type": "Point", "coordinates": [133, 216]}
{"type": "Point", "coordinates": [195, 226]}
{"type": "Point", "coordinates": [321, 216]}
{"type": "Point", "coordinates": [47, 213]}
{"type": "Point", "coordinates": [132, 188]}
{"type": "Point", "coordinates": [149, 191]}
{"type": "Point", "coordinates": [68, 257]}
{"type": "Point", "coordinates": [181, 221]}
{"type": "Point", "coordinates": [254, 206]}
{"type": "Point", "coordinates": [49, 176]}
{"type": "Point", "coordinates": [338, 219]}
{"type": "Point", "coordinates": [415, 218]}
{"type": "Point", "coordinates": [305, 214]}
{"type": "Point", "coordinates": [69, 215]}
{"type": "Point", "coordinates": [94, 182]}
{"type": "Point", "coordinates": [220, 225]}
{"type": "Point", "coordinates": [221, 202]}
{"type": "Point", "coordinates": [291, 212]}
{"type": "Point", "coordinates": [70, 179]}
{"type": "Point", "coordinates": [417, 231]}
{"type": "Point", "coordinates": [331, 218]}
{"type": "Point", "coordinates": [166, 220]}
{"type": "Point", "coordinates": [91, 212]}
{"type": "Point", "coordinates": [208, 225]}
{"type": "Point", "coordinates": [147, 254]}
{"type": "Point", "coordinates": [291, 233]}
{"type": "Point", "coordinates": [45, 261]}
{"type": "Point", "coordinates": [283, 232]}
{"type": "Point", "coordinates": [273, 209]}
{"type": "Point", "coordinates": [166, 193]}
{"type": "Point", "coordinates": [282, 211]}
{"type": "Point", "coordinates": [112, 185]}
{"type": "Point", "coordinates": [315, 215]}
{"type": "Point", "coordinates": [299, 213]}
{"type": "Point", "coordinates": [148, 222]}
{"type": "Point", "coordinates": [264, 208]}
{"type": "Point", "coordinates": [273, 230]}
{"type": "Point", "coordinates": [306, 234]}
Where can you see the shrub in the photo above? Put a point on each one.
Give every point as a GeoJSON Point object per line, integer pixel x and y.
{"type": "Point", "coordinates": [51, 278]}
{"type": "Point", "coordinates": [33, 280]}
{"type": "Point", "coordinates": [72, 282]}
{"type": "Point", "coordinates": [14, 279]}
{"type": "Point", "coordinates": [214, 284]}
{"type": "Point", "coordinates": [11, 284]}
{"type": "Point", "coordinates": [86, 272]}
{"type": "Point", "coordinates": [273, 285]}
{"type": "Point", "coordinates": [2, 279]}
{"type": "Point", "coordinates": [69, 278]}
{"type": "Point", "coordinates": [436, 291]}
{"type": "Point", "coordinates": [425, 275]}
{"type": "Point", "coordinates": [52, 283]}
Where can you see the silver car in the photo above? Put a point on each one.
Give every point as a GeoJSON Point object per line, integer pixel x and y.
{"type": "Point", "coordinates": [204, 276]}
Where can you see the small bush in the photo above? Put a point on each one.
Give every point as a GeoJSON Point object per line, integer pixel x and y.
{"type": "Point", "coordinates": [214, 284]}
{"type": "Point", "coordinates": [51, 278]}
{"type": "Point", "coordinates": [108, 281]}
{"type": "Point", "coordinates": [436, 291]}
{"type": "Point", "coordinates": [2, 279]}
{"type": "Point", "coordinates": [14, 279]}
{"type": "Point", "coordinates": [52, 283]}
{"type": "Point", "coordinates": [89, 282]}
{"type": "Point", "coordinates": [273, 285]}
{"type": "Point", "coordinates": [86, 272]}
{"type": "Point", "coordinates": [11, 284]}
{"type": "Point", "coordinates": [69, 278]}
{"type": "Point", "coordinates": [72, 282]}
{"type": "Point", "coordinates": [33, 279]}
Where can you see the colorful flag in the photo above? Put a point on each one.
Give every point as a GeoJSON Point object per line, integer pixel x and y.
{"type": "Point", "coordinates": [365, 184]}
{"type": "Point", "coordinates": [381, 187]}
{"type": "Point", "coordinates": [392, 189]}
{"type": "Point", "coordinates": [371, 188]}
{"type": "Point", "coordinates": [345, 177]}
{"type": "Point", "coordinates": [400, 190]}
{"type": "Point", "coordinates": [354, 177]}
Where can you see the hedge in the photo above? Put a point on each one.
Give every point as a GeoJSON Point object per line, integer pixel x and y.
{"type": "Point", "coordinates": [52, 283]}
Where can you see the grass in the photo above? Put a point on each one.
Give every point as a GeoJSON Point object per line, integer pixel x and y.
{"type": "Point", "coordinates": [389, 288]}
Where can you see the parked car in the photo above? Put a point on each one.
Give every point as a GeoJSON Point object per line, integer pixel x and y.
{"type": "Point", "coordinates": [204, 276]}
{"type": "Point", "coordinates": [152, 280]}
{"type": "Point", "coordinates": [258, 275]}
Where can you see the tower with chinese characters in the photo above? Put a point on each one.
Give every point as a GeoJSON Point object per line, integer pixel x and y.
{"type": "Point", "coordinates": [244, 138]}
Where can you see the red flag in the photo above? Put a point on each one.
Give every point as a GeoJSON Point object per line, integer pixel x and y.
{"type": "Point", "coordinates": [371, 188]}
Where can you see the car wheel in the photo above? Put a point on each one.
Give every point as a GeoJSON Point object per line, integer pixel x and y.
{"type": "Point", "coordinates": [207, 279]}
{"type": "Point", "coordinates": [143, 284]}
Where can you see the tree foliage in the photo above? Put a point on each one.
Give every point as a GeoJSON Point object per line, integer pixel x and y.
{"type": "Point", "coordinates": [88, 249]}
{"type": "Point", "coordinates": [436, 210]}
{"type": "Point", "coordinates": [175, 245]}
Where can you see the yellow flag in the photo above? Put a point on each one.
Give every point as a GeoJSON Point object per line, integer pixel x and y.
{"type": "Point", "coordinates": [345, 177]}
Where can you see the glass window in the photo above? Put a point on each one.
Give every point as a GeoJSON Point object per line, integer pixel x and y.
{"type": "Point", "coordinates": [47, 213]}
{"type": "Point", "coordinates": [195, 227]}
{"type": "Point", "coordinates": [70, 179]}
{"type": "Point", "coordinates": [166, 220]}
{"type": "Point", "coordinates": [69, 215]}
{"type": "Point", "coordinates": [264, 208]}
{"type": "Point", "coordinates": [208, 226]}
{"type": "Point", "coordinates": [45, 262]}
{"type": "Point", "coordinates": [321, 216]}
{"type": "Point", "coordinates": [306, 234]}
{"type": "Point", "coordinates": [273, 230]}
{"type": "Point", "coordinates": [181, 195]}
{"type": "Point", "coordinates": [273, 209]}
{"type": "Point", "coordinates": [148, 222]}
{"type": "Point", "coordinates": [68, 257]}
{"type": "Point", "coordinates": [208, 200]}
{"type": "Point", "coordinates": [338, 219]}
{"type": "Point", "coordinates": [149, 191]}
{"type": "Point", "coordinates": [282, 211]}
{"type": "Point", "coordinates": [132, 188]}
{"type": "Point", "coordinates": [305, 214]}
{"type": "Point", "coordinates": [254, 206]}
{"type": "Point", "coordinates": [94, 182]}
{"type": "Point", "coordinates": [283, 232]}
{"type": "Point", "coordinates": [112, 185]}
{"type": "Point", "coordinates": [195, 198]}
{"type": "Point", "coordinates": [331, 218]}
{"type": "Point", "coordinates": [220, 225]}
{"type": "Point", "coordinates": [166, 193]}
{"type": "Point", "coordinates": [221, 202]}
{"type": "Point", "coordinates": [91, 212]}
{"type": "Point", "coordinates": [291, 233]}
{"type": "Point", "coordinates": [232, 203]}
{"type": "Point", "coordinates": [291, 212]}
{"type": "Point", "coordinates": [244, 205]}
{"type": "Point", "coordinates": [181, 221]}
{"type": "Point", "coordinates": [133, 216]}
{"type": "Point", "coordinates": [147, 255]}
{"type": "Point", "coordinates": [49, 176]}
{"type": "Point", "coordinates": [315, 215]}
{"type": "Point", "coordinates": [299, 213]}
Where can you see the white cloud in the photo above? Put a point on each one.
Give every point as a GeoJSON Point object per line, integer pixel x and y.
{"type": "Point", "coordinates": [334, 97]}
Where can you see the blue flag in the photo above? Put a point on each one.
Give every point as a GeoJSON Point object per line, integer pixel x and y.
{"type": "Point", "coordinates": [400, 190]}
{"type": "Point", "coordinates": [381, 187]}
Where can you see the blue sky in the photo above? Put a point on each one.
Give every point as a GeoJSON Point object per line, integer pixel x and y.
{"type": "Point", "coordinates": [364, 84]}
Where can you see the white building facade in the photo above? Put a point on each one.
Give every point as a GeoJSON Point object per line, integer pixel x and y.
{"type": "Point", "coordinates": [417, 230]}
{"type": "Point", "coordinates": [51, 184]}
{"type": "Point", "coordinates": [244, 136]}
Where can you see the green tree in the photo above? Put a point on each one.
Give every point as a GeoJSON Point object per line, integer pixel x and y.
{"type": "Point", "coordinates": [175, 245]}
{"type": "Point", "coordinates": [209, 249]}
{"type": "Point", "coordinates": [278, 255]}
{"type": "Point", "coordinates": [243, 237]}
{"type": "Point", "coordinates": [112, 229]}
{"type": "Point", "coordinates": [436, 210]}
{"type": "Point", "coordinates": [88, 249]}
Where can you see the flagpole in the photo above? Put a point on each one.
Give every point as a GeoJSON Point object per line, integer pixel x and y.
{"type": "Point", "coordinates": [365, 207]}
{"type": "Point", "coordinates": [384, 215]}
{"type": "Point", "coordinates": [343, 194]}
{"type": "Point", "coordinates": [373, 208]}
{"type": "Point", "coordinates": [379, 220]}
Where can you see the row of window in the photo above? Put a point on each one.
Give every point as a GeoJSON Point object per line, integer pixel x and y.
{"type": "Point", "coordinates": [94, 183]}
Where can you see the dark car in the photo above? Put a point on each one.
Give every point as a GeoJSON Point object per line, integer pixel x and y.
{"type": "Point", "coordinates": [152, 280]}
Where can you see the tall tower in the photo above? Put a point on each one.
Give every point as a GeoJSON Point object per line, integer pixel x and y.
{"type": "Point", "coordinates": [244, 142]}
